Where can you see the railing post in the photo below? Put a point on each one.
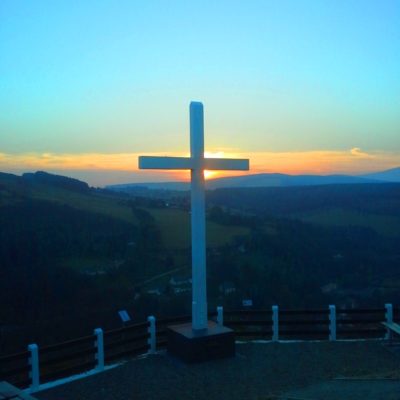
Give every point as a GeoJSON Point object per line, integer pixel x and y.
{"type": "Point", "coordinates": [34, 363]}
{"type": "Point", "coordinates": [332, 323]}
{"type": "Point", "coordinates": [275, 323]}
{"type": "Point", "coordinates": [99, 344]}
{"type": "Point", "coordinates": [389, 319]}
{"type": "Point", "coordinates": [152, 340]}
{"type": "Point", "coordinates": [220, 315]}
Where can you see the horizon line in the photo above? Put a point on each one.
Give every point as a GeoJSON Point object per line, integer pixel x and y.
{"type": "Point", "coordinates": [75, 175]}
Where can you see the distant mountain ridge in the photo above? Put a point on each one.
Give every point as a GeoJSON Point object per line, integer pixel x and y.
{"type": "Point", "coordinates": [56, 180]}
{"type": "Point", "coordinates": [390, 175]}
{"type": "Point", "coordinates": [283, 180]}
{"type": "Point", "coordinates": [267, 180]}
{"type": "Point", "coordinates": [244, 181]}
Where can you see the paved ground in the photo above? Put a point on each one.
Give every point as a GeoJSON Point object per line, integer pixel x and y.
{"type": "Point", "coordinates": [350, 389]}
{"type": "Point", "coordinates": [259, 372]}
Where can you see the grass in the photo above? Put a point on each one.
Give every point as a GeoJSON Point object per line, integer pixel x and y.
{"type": "Point", "coordinates": [384, 224]}
{"type": "Point", "coordinates": [87, 202]}
{"type": "Point", "coordinates": [174, 224]}
{"type": "Point", "coordinates": [175, 229]}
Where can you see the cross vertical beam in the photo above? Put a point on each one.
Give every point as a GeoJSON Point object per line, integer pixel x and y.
{"type": "Point", "coordinates": [199, 292]}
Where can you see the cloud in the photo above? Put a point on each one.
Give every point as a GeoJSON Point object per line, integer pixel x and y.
{"type": "Point", "coordinates": [353, 161]}
{"type": "Point", "coordinates": [356, 151]}
{"type": "Point", "coordinates": [83, 161]}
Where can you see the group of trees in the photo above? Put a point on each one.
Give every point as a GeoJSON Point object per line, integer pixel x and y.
{"type": "Point", "coordinates": [380, 198]}
{"type": "Point", "coordinates": [38, 239]}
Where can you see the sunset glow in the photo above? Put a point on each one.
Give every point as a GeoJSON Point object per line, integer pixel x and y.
{"type": "Point", "coordinates": [122, 167]}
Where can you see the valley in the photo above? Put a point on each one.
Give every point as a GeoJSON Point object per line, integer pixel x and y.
{"type": "Point", "coordinates": [72, 256]}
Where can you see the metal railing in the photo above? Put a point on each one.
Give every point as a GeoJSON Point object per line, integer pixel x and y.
{"type": "Point", "coordinates": [38, 366]}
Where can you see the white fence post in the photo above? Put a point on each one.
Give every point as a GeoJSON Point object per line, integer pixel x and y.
{"type": "Point", "coordinates": [152, 340]}
{"type": "Point", "coordinates": [34, 363]}
{"type": "Point", "coordinates": [275, 323]}
{"type": "Point", "coordinates": [389, 319]}
{"type": "Point", "coordinates": [220, 315]}
{"type": "Point", "coordinates": [332, 323]}
{"type": "Point", "coordinates": [99, 344]}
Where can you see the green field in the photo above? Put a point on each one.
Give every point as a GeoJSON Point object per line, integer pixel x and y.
{"type": "Point", "coordinates": [174, 224]}
{"type": "Point", "coordinates": [88, 202]}
{"type": "Point", "coordinates": [175, 229]}
{"type": "Point", "coordinates": [384, 224]}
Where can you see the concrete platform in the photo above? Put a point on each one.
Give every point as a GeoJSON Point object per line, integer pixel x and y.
{"type": "Point", "coordinates": [362, 389]}
{"type": "Point", "coordinates": [8, 392]}
{"type": "Point", "coordinates": [259, 371]}
{"type": "Point", "coordinates": [198, 346]}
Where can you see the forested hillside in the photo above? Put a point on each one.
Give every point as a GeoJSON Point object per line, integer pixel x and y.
{"type": "Point", "coordinates": [375, 206]}
{"type": "Point", "coordinates": [381, 198]}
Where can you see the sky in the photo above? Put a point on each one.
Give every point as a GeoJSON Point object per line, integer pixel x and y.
{"type": "Point", "coordinates": [296, 86]}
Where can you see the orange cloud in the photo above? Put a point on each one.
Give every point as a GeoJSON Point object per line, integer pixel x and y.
{"type": "Point", "coordinates": [352, 161]}
{"type": "Point", "coordinates": [324, 161]}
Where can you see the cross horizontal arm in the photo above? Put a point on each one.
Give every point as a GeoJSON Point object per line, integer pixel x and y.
{"type": "Point", "coordinates": [148, 162]}
{"type": "Point", "coordinates": [226, 164]}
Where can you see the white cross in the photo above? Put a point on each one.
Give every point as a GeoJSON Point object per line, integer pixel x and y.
{"type": "Point", "coordinates": [197, 164]}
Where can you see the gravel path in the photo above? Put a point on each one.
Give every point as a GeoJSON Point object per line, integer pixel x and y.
{"type": "Point", "coordinates": [258, 371]}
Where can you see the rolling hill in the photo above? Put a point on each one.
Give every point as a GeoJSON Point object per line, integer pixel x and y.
{"type": "Point", "coordinates": [255, 180]}
{"type": "Point", "coordinates": [283, 180]}
{"type": "Point", "coordinates": [174, 224]}
{"type": "Point", "coordinates": [375, 206]}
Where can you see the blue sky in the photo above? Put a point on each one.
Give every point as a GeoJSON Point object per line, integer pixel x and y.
{"type": "Point", "coordinates": [102, 78]}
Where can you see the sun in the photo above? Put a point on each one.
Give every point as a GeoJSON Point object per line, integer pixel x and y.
{"type": "Point", "coordinates": [209, 174]}
{"type": "Point", "coordinates": [208, 154]}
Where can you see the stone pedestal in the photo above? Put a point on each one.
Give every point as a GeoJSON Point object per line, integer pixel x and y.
{"type": "Point", "coordinates": [197, 346]}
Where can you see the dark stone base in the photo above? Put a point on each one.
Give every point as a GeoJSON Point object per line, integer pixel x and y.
{"type": "Point", "coordinates": [197, 346]}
